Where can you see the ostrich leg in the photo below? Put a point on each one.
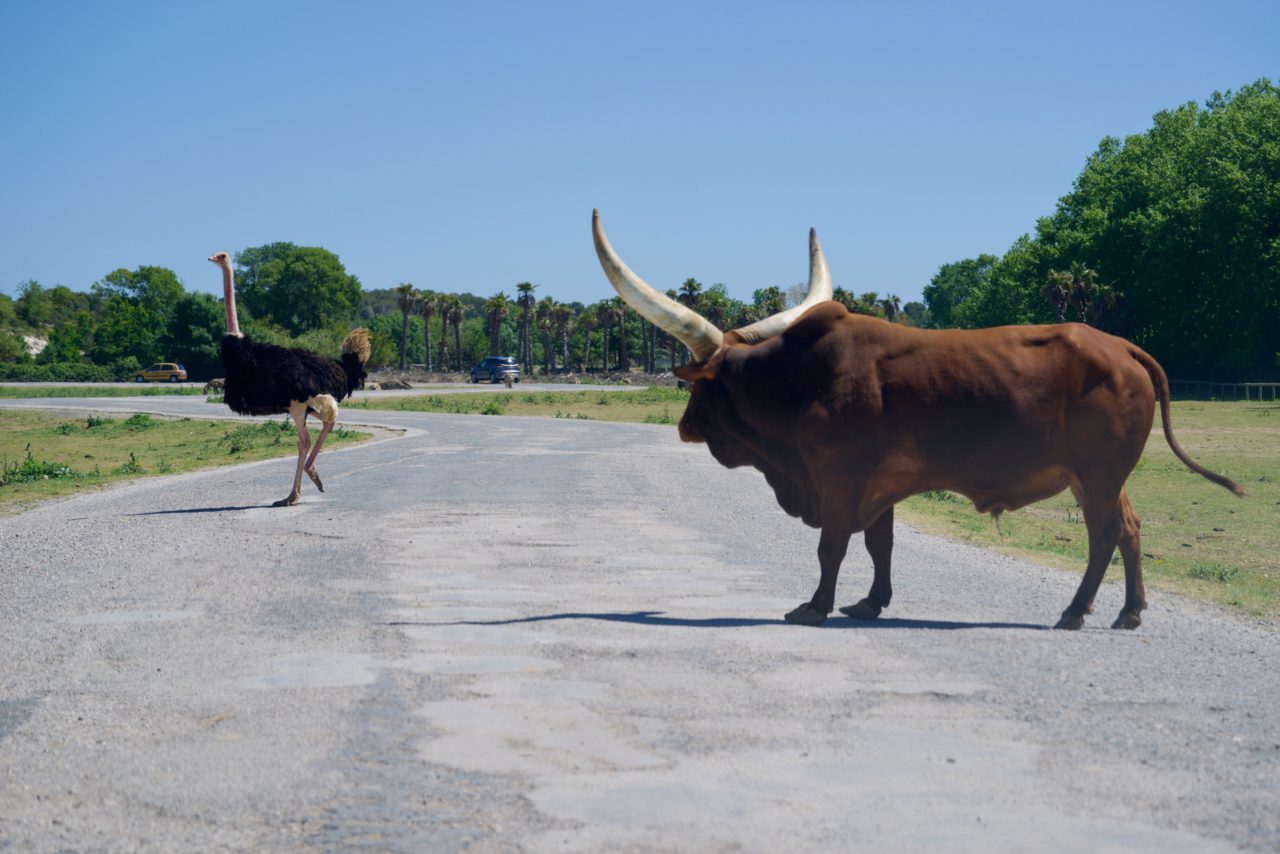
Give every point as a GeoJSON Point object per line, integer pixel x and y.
{"type": "Point", "coordinates": [299, 412]}
{"type": "Point", "coordinates": [310, 467]}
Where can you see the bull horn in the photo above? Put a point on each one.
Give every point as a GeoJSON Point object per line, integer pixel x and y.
{"type": "Point", "coordinates": [819, 291]}
{"type": "Point", "coordinates": [694, 331]}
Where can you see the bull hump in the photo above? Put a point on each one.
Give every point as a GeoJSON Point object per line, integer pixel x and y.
{"type": "Point", "coordinates": [816, 322]}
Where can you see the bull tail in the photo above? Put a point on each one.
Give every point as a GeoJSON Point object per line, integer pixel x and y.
{"type": "Point", "coordinates": [355, 352]}
{"type": "Point", "coordinates": [1161, 382]}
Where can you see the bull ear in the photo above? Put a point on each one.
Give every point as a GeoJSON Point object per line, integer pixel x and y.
{"type": "Point", "coordinates": [708, 370]}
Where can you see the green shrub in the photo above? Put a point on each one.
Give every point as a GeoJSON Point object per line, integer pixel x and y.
{"type": "Point", "coordinates": [31, 469]}
{"type": "Point", "coordinates": [1213, 571]}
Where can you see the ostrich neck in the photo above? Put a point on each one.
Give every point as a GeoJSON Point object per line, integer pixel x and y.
{"type": "Point", "coordinates": [229, 297]}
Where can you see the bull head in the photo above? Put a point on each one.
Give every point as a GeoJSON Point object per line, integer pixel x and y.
{"type": "Point", "coordinates": [693, 330]}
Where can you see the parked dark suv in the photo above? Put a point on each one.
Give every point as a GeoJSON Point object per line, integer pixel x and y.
{"type": "Point", "coordinates": [495, 369]}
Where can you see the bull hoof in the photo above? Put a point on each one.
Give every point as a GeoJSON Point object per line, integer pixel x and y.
{"type": "Point", "coordinates": [1070, 622]}
{"type": "Point", "coordinates": [864, 610]}
{"type": "Point", "coordinates": [806, 615]}
{"type": "Point", "coordinates": [291, 500]}
{"type": "Point", "coordinates": [1129, 620]}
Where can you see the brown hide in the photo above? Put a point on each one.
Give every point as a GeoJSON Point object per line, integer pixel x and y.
{"type": "Point", "coordinates": [847, 415]}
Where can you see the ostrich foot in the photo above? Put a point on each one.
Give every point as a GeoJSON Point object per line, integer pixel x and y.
{"type": "Point", "coordinates": [315, 478]}
{"type": "Point", "coordinates": [291, 500]}
{"type": "Point", "coordinates": [806, 615]}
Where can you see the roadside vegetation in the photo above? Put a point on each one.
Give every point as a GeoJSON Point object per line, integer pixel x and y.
{"type": "Point", "coordinates": [50, 455]}
{"type": "Point", "coordinates": [14, 392]}
{"type": "Point", "coordinates": [653, 405]}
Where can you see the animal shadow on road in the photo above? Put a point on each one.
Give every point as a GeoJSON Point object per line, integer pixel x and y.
{"type": "Point", "coordinates": [185, 510]}
{"type": "Point", "coordinates": [657, 618]}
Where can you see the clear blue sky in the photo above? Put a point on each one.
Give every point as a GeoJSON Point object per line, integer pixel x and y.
{"type": "Point", "coordinates": [462, 146]}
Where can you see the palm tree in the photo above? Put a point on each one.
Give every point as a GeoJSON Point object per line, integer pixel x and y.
{"type": "Point", "coordinates": [563, 314]}
{"type": "Point", "coordinates": [604, 312]}
{"type": "Point", "coordinates": [524, 298]}
{"type": "Point", "coordinates": [1058, 292]}
{"type": "Point", "coordinates": [715, 307]}
{"type": "Point", "coordinates": [545, 321]}
{"type": "Point", "coordinates": [620, 312]}
{"type": "Point", "coordinates": [690, 295]}
{"type": "Point", "coordinates": [457, 310]}
{"type": "Point", "coordinates": [496, 308]}
{"type": "Point", "coordinates": [672, 345]}
{"type": "Point", "coordinates": [427, 308]}
{"type": "Point", "coordinates": [770, 300]}
{"type": "Point", "coordinates": [585, 324]}
{"type": "Point", "coordinates": [406, 296]}
{"type": "Point", "coordinates": [890, 305]}
{"type": "Point", "coordinates": [442, 311]}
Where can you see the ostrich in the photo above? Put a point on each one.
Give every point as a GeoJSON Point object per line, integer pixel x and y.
{"type": "Point", "coordinates": [263, 379]}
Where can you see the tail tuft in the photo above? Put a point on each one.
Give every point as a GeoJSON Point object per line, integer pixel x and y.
{"type": "Point", "coordinates": [355, 352]}
{"type": "Point", "coordinates": [357, 344]}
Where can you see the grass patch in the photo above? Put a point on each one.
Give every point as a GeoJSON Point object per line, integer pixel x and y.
{"type": "Point", "coordinates": [43, 455]}
{"type": "Point", "coordinates": [655, 405]}
{"type": "Point", "coordinates": [139, 390]}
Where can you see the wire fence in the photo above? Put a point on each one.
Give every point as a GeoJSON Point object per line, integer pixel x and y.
{"type": "Point", "coordinates": [1205, 390]}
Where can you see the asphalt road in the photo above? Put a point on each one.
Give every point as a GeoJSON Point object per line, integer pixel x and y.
{"type": "Point", "coordinates": [502, 634]}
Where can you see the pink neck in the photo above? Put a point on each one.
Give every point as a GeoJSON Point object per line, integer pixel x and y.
{"type": "Point", "coordinates": [229, 297]}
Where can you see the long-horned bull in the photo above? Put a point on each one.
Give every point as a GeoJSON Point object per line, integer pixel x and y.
{"type": "Point", "coordinates": [847, 415]}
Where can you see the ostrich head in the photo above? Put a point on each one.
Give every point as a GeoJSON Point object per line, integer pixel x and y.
{"type": "Point", "coordinates": [223, 260]}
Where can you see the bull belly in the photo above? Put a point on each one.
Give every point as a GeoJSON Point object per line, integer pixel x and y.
{"type": "Point", "coordinates": [989, 497]}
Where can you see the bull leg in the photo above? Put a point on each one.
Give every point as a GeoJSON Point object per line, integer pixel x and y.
{"type": "Point", "coordinates": [879, 542]}
{"type": "Point", "coordinates": [299, 413]}
{"type": "Point", "coordinates": [1135, 599]}
{"type": "Point", "coordinates": [832, 546]}
{"type": "Point", "coordinates": [1103, 518]}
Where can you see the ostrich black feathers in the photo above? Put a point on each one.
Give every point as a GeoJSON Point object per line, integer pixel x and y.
{"type": "Point", "coordinates": [263, 379]}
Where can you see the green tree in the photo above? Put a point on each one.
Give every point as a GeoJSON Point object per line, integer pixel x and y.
{"type": "Point", "coordinates": [154, 289]}
{"type": "Point", "coordinates": [1184, 219]}
{"type": "Point", "coordinates": [13, 348]}
{"type": "Point", "coordinates": [126, 330]}
{"type": "Point", "coordinates": [193, 335]}
{"type": "Point", "coordinates": [135, 308]}
{"type": "Point", "coordinates": [296, 287]}
{"type": "Point", "coordinates": [8, 314]}
{"type": "Point", "coordinates": [69, 341]}
{"type": "Point", "coordinates": [917, 314]}
{"type": "Point", "coordinates": [952, 285]}
{"type": "Point", "coordinates": [33, 305]}
{"type": "Point", "coordinates": [868, 303]}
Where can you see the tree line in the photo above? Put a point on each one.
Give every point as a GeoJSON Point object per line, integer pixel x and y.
{"type": "Point", "coordinates": [303, 296]}
{"type": "Point", "coordinates": [1170, 237]}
